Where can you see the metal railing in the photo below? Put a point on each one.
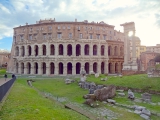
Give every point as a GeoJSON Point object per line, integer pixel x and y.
{"type": "Point", "coordinates": [5, 87]}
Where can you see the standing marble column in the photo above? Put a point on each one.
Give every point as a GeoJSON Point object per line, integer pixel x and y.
{"type": "Point", "coordinates": [133, 48]}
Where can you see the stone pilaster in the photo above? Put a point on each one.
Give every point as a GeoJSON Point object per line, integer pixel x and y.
{"type": "Point", "coordinates": [39, 68]}
{"type": "Point", "coordinates": [64, 69]}
{"type": "Point", "coordinates": [47, 68]}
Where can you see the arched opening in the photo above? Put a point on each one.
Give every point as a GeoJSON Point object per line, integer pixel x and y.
{"type": "Point", "coordinates": [60, 49]}
{"type": "Point", "coordinates": [60, 68]}
{"type": "Point", "coordinates": [109, 50]}
{"type": "Point", "coordinates": [102, 50]}
{"type": "Point", "coordinates": [78, 50]}
{"type": "Point", "coordinates": [95, 50]}
{"type": "Point", "coordinates": [43, 68]}
{"type": "Point", "coordinates": [86, 67]}
{"type": "Point", "coordinates": [109, 67]}
{"type": "Point", "coordinates": [22, 68]}
{"type": "Point", "coordinates": [69, 49]}
{"type": "Point", "coordinates": [115, 50]}
{"type": "Point", "coordinates": [78, 68]}
{"type": "Point", "coordinates": [17, 65]}
{"type": "Point", "coordinates": [102, 68]}
{"type": "Point", "coordinates": [52, 48]}
{"type": "Point", "coordinates": [95, 67]}
{"type": "Point", "coordinates": [36, 68]}
{"type": "Point", "coordinates": [69, 68]}
{"type": "Point", "coordinates": [86, 49]}
{"type": "Point", "coordinates": [43, 49]}
{"type": "Point", "coordinates": [29, 50]}
{"type": "Point", "coordinates": [116, 67]}
{"type": "Point", "coordinates": [17, 51]}
{"type": "Point", "coordinates": [52, 67]}
{"type": "Point", "coordinates": [23, 51]}
{"type": "Point", "coordinates": [36, 50]}
{"type": "Point", "coordinates": [29, 68]}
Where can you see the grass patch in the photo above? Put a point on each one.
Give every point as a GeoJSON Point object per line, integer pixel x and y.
{"type": "Point", "coordinates": [24, 103]}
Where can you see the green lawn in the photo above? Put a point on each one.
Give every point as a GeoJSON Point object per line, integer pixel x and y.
{"type": "Point", "coordinates": [25, 103]}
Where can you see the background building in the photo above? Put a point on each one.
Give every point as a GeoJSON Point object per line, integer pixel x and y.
{"type": "Point", "coordinates": [154, 48]}
{"type": "Point", "coordinates": [4, 58]}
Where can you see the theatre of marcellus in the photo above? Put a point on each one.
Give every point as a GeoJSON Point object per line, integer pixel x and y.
{"type": "Point", "coordinates": [61, 48]}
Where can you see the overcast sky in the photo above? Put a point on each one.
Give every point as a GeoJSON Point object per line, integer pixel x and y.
{"type": "Point", "coordinates": [145, 14]}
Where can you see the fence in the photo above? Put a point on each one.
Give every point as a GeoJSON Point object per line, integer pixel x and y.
{"type": "Point", "coordinates": [5, 87]}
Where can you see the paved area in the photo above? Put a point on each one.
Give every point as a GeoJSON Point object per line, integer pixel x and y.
{"type": "Point", "coordinates": [2, 80]}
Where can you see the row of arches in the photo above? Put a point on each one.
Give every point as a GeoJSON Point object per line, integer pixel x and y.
{"type": "Point", "coordinates": [115, 67]}
{"type": "Point", "coordinates": [60, 68]}
{"type": "Point", "coordinates": [42, 50]}
{"type": "Point", "coordinates": [115, 50]}
{"type": "Point", "coordinates": [41, 68]}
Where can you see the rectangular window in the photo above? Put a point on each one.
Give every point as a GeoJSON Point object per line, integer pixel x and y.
{"type": "Point", "coordinates": [21, 37]}
{"type": "Point", "coordinates": [35, 36]}
{"type": "Point", "coordinates": [49, 35]}
{"type": "Point", "coordinates": [30, 37]}
{"type": "Point", "coordinates": [59, 35]}
{"type": "Point", "coordinates": [80, 35]}
{"type": "Point", "coordinates": [68, 27]}
{"type": "Point", "coordinates": [90, 36]}
{"type": "Point", "coordinates": [44, 36]}
{"type": "Point", "coordinates": [50, 27]}
{"type": "Point", "coordinates": [78, 27]}
{"type": "Point", "coordinates": [104, 37]}
{"type": "Point", "coordinates": [30, 29]}
{"type": "Point", "coordinates": [98, 36]}
{"type": "Point", "coordinates": [70, 35]}
{"type": "Point", "coordinates": [59, 27]}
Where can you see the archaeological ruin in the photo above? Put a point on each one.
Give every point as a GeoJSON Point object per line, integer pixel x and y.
{"type": "Point", "coordinates": [60, 48]}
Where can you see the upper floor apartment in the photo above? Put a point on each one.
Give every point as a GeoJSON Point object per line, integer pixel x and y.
{"type": "Point", "coordinates": [50, 29]}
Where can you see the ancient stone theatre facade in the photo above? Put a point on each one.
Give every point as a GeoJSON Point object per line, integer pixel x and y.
{"type": "Point", "coordinates": [60, 48]}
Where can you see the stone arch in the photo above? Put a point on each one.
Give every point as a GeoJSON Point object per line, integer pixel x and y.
{"type": "Point", "coordinates": [35, 68]}
{"type": "Point", "coordinates": [116, 68]}
{"type": "Point", "coordinates": [78, 49]}
{"type": "Point", "coordinates": [29, 50]}
{"type": "Point", "coordinates": [43, 68]}
{"type": "Point", "coordinates": [52, 48]}
{"type": "Point", "coordinates": [36, 50]}
{"type": "Point", "coordinates": [17, 65]}
{"type": "Point", "coordinates": [94, 49]}
{"type": "Point", "coordinates": [28, 68]}
{"type": "Point", "coordinates": [44, 50]}
{"type": "Point", "coordinates": [22, 68]}
{"type": "Point", "coordinates": [110, 68]}
{"type": "Point", "coordinates": [60, 49]}
{"type": "Point", "coordinates": [60, 68]}
{"type": "Point", "coordinates": [86, 49]}
{"type": "Point", "coordinates": [69, 49]}
{"type": "Point", "coordinates": [115, 50]}
{"type": "Point", "coordinates": [95, 67]}
{"type": "Point", "coordinates": [52, 68]}
{"type": "Point", "coordinates": [78, 68]}
{"type": "Point", "coordinates": [102, 50]}
{"type": "Point", "coordinates": [109, 50]}
{"type": "Point", "coordinates": [17, 51]}
{"type": "Point", "coordinates": [121, 51]}
{"type": "Point", "coordinates": [102, 68]}
{"type": "Point", "coordinates": [22, 51]}
{"type": "Point", "coordinates": [86, 67]}
{"type": "Point", "coordinates": [69, 68]}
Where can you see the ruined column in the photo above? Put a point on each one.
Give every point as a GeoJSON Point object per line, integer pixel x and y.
{"type": "Point", "coordinates": [133, 48]}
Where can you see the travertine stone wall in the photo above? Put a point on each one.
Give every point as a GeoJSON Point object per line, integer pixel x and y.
{"type": "Point", "coordinates": [62, 48]}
